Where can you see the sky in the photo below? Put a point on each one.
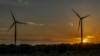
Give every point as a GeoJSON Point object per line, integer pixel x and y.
{"type": "Point", "coordinates": [49, 21]}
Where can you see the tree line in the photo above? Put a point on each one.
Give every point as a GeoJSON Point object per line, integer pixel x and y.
{"type": "Point", "coordinates": [55, 48]}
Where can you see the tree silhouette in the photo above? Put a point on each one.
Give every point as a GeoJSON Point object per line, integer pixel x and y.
{"type": "Point", "coordinates": [47, 49]}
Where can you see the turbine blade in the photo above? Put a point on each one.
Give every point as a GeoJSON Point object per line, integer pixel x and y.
{"type": "Point", "coordinates": [12, 15]}
{"type": "Point", "coordinates": [79, 25]}
{"type": "Point", "coordinates": [85, 16]}
{"type": "Point", "coordinates": [76, 13]}
{"type": "Point", "coordinates": [21, 22]}
{"type": "Point", "coordinates": [11, 27]}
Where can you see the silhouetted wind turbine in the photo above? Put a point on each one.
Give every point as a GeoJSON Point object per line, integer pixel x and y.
{"type": "Point", "coordinates": [15, 26]}
{"type": "Point", "coordinates": [80, 24]}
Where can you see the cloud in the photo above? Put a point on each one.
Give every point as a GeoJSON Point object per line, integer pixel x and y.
{"type": "Point", "coordinates": [35, 24]}
{"type": "Point", "coordinates": [41, 24]}
{"type": "Point", "coordinates": [71, 24]}
{"type": "Point", "coordinates": [23, 2]}
{"type": "Point", "coordinates": [90, 36]}
{"type": "Point", "coordinates": [31, 23]}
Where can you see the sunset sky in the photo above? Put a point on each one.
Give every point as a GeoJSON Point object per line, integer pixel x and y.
{"type": "Point", "coordinates": [49, 21]}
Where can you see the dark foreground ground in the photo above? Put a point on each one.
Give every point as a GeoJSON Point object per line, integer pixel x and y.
{"type": "Point", "coordinates": [50, 50]}
{"type": "Point", "coordinates": [92, 53]}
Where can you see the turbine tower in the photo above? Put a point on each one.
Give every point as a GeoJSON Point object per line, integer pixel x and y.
{"type": "Point", "coordinates": [14, 24]}
{"type": "Point", "coordinates": [80, 26]}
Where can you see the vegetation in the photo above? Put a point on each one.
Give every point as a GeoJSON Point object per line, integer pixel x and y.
{"type": "Point", "coordinates": [50, 50]}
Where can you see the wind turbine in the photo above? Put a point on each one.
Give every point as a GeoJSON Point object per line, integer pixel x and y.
{"type": "Point", "coordinates": [14, 24]}
{"type": "Point", "coordinates": [80, 26]}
